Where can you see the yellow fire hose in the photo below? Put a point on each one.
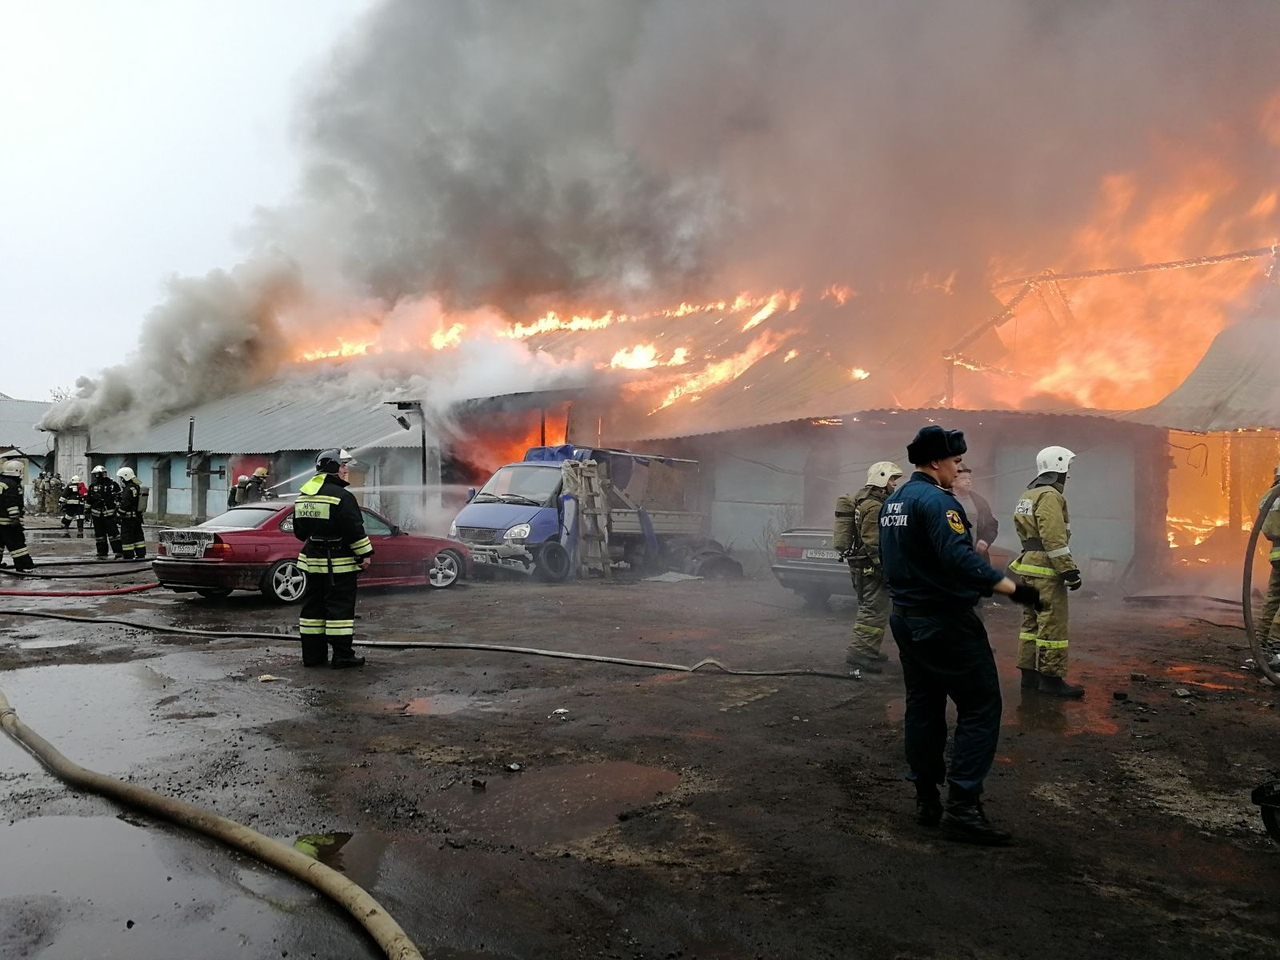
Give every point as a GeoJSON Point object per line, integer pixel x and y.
{"type": "Point", "coordinates": [366, 910]}
{"type": "Point", "coordinates": [1249, 628]}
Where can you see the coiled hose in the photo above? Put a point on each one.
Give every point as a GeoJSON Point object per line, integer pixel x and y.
{"type": "Point", "coordinates": [394, 942]}
{"type": "Point", "coordinates": [1250, 628]}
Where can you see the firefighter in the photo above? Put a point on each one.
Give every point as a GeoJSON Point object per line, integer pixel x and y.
{"type": "Point", "coordinates": [38, 488]}
{"type": "Point", "coordinates": [131, 509]}
{"type": "Point", "coordinates": [1269, 626]}
{"type": "Point", "coordinates": [1043, 524]}
{"type": "Point", "coordinates": [103, 500]}
{"type": "Point", "coordinates": [857, 537]}
{"type": "Point", "coordinates": [936, 579]}
{"type": "Point", "coordinates": [255, 487]}
{"type": "Point", "coordinates": [71, 500]}
{"type": "Point", "coordinates": [53, 490]}
{"type": "Point", "coordinates": [327, 518]}
{"type": "Point", "coordinates": [12, 508]}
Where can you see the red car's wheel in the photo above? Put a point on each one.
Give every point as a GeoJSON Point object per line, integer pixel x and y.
{"type": "Point", "coordinates": [444, 570]}
{"type": "Point", "coordinates": [285, 582]}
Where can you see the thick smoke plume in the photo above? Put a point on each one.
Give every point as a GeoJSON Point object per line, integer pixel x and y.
{"type": "Point", "coordinates": [572, 152]}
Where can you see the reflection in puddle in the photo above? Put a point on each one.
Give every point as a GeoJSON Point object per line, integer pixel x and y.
{"type": "Point", "coordinates": [553, 805]}
{"type": "Point", "coordinates": [440, 704]}
{"type": "Point", "coordinates": [47, 644]}
{"type": "Point", "coordinates": [354, 854]}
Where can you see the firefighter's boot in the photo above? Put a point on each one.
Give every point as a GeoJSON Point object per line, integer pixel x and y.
{"type": "Point", "coordinates": [965, 820]}
{"type": "Point", "coordinates": [1058, 687]}
{"type": "Point", "coordinates": [1030, 678]}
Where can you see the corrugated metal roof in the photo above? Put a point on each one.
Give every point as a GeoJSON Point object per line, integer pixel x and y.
{"type": "Point", "coordinates": [266, 420]}
{"type": "Point", "coordinates": [1236, 386]}
{"type": "Point", "coordinates": [18, 419]}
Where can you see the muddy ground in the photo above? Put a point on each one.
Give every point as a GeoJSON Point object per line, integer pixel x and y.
{"type": "Point", "coordinates": [509, 805]}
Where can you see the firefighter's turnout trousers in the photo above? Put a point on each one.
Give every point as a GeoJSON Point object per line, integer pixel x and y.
{"type": "Point", "coordinates": [106, 530]}
{"type": "Point", "coordinates": [328, 615]}
{"type": "Point", "coordinates": [873, 611]}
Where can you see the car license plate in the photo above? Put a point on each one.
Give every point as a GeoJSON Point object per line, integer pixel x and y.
{"type": "Point", "coordinates": [184, 549]}
{"type": "Point", "coordinates": [821, 555]}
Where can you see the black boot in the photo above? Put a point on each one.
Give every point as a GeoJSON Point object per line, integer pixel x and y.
{"type": "Point", "coordinates": [964, 820]}
{"type": "Point", "coordinates": [1030, 678]}
{"type": "Point", "coordinates": [928, 806]}
{"type": "Point", "coordinates": [863, 662]}
{"type": "Point", "coordinates": [345, 660]}
{"type": "Point", "coordinates": [1058, 687]}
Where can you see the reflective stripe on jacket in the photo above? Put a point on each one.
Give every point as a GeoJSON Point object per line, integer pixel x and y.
{"type": "Point", "coordinates": [1043, 526]}
{"type": "Point", "coordinates": [327, 517]}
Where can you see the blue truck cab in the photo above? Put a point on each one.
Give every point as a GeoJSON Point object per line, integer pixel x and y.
{"type": "Point", "coordinates": [516, 521]}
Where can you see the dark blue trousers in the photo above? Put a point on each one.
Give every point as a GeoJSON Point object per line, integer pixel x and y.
{"type": "Point", "coordinates": [948, 655]}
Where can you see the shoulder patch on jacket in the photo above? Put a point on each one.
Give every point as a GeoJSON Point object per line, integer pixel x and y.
{"type": "Point", "coordinates": [954, 521]}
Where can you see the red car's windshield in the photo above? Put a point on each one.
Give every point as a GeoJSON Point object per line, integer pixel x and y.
{"type": "Point", "coordinates": [241, 518]}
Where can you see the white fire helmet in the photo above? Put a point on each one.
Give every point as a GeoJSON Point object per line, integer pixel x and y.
{"type": "Point", "coordinates": [125, 473]}
{"type": "Point", "coordinates": [12, 468]}
{"type": "Point", "coordinates": [243, 478]}
{"type": "Point", "coordinates": [1054, 460]}
{"type": "Point", "coordinates": [76, 478]}
{"type": "Point", "coordinates": [99, 470]}
{"type": "Point", "coordinates": [879, 474]}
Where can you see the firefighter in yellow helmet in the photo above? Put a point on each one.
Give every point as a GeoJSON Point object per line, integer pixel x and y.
{"type": "Point", "coordinates": [1043, 525]}
{"type": "Point", "coordinates": [857, 538]}
{"type": "Point", "coordinates": [1269, 625]}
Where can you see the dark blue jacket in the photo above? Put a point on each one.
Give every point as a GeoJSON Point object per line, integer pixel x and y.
{"type": "Point", "coordinates": [926, 551]}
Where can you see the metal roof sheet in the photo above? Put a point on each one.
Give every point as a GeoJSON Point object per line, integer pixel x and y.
{"type": "Point", "coordinates": [1235, 386]}
{"type": "Point", "coordinates": [18, 419]}
{"type": "Point", "coordinates": [268, 419]}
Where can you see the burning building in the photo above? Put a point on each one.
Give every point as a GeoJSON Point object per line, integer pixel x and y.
{"type": "Point", "coordinates": [764, 233]}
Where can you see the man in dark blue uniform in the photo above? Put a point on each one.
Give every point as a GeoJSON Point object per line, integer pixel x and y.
{"type": "Point", "coordinates": [935, 578]}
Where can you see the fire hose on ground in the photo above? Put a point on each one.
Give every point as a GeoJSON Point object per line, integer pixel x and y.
{"type": "Point", "coordinates": [138, 588]}
{"type": "Point", "coordinates": [447, 645]}
{"type": "Point", "coordinates": [388, 934]}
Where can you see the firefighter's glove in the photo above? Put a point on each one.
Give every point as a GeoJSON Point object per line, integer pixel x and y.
{"type": "Point", "coordinates": [1026, 595]}
{"type": "Point", "coordinates": [1072, 579]}
{"type": "Point", "coordinates": [847, 554]}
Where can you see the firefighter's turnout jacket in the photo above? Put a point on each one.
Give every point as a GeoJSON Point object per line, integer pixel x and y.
{"type": "Point", "coordinates": [858, 525]}
{"type": "Point", "coordinates": [857, 534]}
{"type": "Point", "coordinates": [329, 519]}
{"type": "Point", "coordinates": [12, 535]}
{"type": "Point", "coordinates": [1043, 524]}
{"type": "Point", "coordinates": [103, 495]}
{"type": "Point", "coordinates": [130, 509]}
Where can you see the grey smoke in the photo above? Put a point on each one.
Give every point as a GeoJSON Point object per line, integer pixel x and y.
{"type": "Point", "coordinates": [571, 151]}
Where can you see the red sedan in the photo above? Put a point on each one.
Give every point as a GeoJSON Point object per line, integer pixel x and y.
{"type": "Point", "coordinates": [253, 548]}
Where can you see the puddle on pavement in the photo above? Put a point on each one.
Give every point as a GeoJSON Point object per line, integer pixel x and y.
{"type": "Point", "coordinates": [554, 805]}
{"type": "Point", "coordinates": [442, 704]}
{"type": "Point", "coordinates": [109, 717]}
{"type": "Point", "coordinates": [47, 644]}
{"type": "Point", "coordinates": [355, 855]}
{"type": "Point", "coordinates": [108, 888]}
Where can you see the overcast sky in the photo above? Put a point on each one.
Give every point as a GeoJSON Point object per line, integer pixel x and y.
{"type": "Point", "coordinates": [138, 138]}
